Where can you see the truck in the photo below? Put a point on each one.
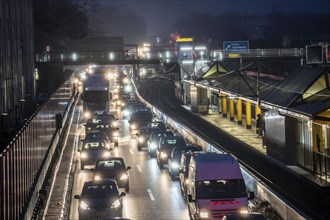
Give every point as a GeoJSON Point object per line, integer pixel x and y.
{"type": "Point", "coordinates": [215, 186]}
{"type": "Point", "coordinates": [96, 93]}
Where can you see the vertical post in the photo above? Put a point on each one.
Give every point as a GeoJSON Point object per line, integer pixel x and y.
{"type": "Point", "coordinates": [248, 114]}
{"type": "Point", "coordinates": [239, 111]}
{"type": "Point", "coordinates": [219, 103]}
{"type": "Point", "coordinates": [231, 109]}
{"type": "Point", "coordinates": [224, 106]}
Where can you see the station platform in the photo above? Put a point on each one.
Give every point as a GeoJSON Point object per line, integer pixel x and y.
{"type": "Point", "coordinates": [250, 137]}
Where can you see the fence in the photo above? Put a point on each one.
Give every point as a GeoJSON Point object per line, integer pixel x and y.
{"type": "Point", "coordinates": [23, 163]}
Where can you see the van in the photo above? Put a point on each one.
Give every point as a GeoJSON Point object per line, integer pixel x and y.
{"type": "Point", "coordinates": [215, 186]}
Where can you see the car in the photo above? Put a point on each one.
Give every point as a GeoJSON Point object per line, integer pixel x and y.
{"type": "Point", "coordinates": [100, 199]}
{"type": "Point", "coordinates": [97, 135]}
{"type": "Point", "coordinates": [139, 119]}
{"type": "Point", "coordinates": [160, 124]}
{"type": "Point", "coordinates": [109, 118]}
{"type": "Point", "coordinates": [130, 107]}
{"type": "Point", "coordinates": [174, 159]}
{"type": "Point", "coordinates": [165, 147]}
{"type": "Point", "coordinates": [91, 151]}
{"type": "Point", "coordinates": [111, 132]}
{"type": "Point", "coordinates": [144, 135]}
{"type": "Point", "coordinates": [112, 168]}
{"type": "Point", "coordinates": [154, 141]}
{"type": "Point", "coordinates": [90, 124]}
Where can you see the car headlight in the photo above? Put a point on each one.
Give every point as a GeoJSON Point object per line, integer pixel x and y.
{"type": "Point", "coordinates": [124, 176]}
{"type": "Point", "coordinates": [174, 165]}
{"type": "Point", "coordinates": [106, 154]}
{"type": "Point", "coordinates": [107, 146]}
{"type": "Point", "coordinates": [83, 155]}
{"type": "Point", "coordinates": [141, 139]}
{"type": "Point", "coordinates": [244, 210]}
{"type": "Point", "coordinates": [83, 205]}
{"type": "Point", "coordinates": [87, 115]}
{"type": "Point", "coordinates": [118, 102]}
{"type": "Point", "coordinates": [115, 204]}
{"type": "Point", "coordinates": [153, 146]}
{"type": "Point", "coordinates": [115, 134]}
{"type": "Point", "coordinates": [126, 112]}
{"type": "Point", "coordinates": [114, 124]}
{"type": "Point", "coordinates": [133, 126]}
{"type": "Point", "coordinates": [97, 178]}
{"type": "Point", "coordinates": [203, 214]}
{"type": "Point", "coordinates": [163, 155]}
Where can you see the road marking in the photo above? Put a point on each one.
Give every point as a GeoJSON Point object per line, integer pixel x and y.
{"type": "Point", "coordinates": [139, 168]}
{"type": "Point", "coordinates": [131, 151]}
{"type": "Point", "coordinates": [152, 198]}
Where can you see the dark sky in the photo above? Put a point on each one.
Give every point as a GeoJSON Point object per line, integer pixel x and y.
{"type": "Point", "coordinates": [153, 17]}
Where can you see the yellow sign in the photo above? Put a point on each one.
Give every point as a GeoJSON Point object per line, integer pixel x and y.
{"type": "Point", "coordinates": [234, 55]}
{"type": "Point", "coordinates": [185, 39]}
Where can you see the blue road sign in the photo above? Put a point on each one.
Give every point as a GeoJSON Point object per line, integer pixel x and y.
{"type": "Point", "coordinates": [236, 46]}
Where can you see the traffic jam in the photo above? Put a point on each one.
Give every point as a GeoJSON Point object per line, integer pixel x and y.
{"type": "Point", "coordinates": [121, 143]}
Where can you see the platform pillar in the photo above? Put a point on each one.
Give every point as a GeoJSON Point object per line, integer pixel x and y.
{"type": "Point", "coordinates": [248, 114]}
{"type": "Point", "coordinates": [224, 106]}
{"type": "Point", "coordinates": [232, 109]}
{"type": "Point", "coordinates": [239, 111]}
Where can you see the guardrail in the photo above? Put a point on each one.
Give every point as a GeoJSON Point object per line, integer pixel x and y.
{"type": "Point", "coordinates": [261, 190]}
{"type": "Point", "coordinates": [25, 161]}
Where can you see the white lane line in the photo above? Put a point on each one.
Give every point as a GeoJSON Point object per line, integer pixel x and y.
{"type": "Point", "coordinates": [139, 168]}
{"type": "Point", "coordinates": [152, 198]}
{"type": "Point", "coordinates": [131, 151]}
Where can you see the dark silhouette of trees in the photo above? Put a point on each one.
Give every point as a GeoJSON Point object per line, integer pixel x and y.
{"type": "Point", "coordinates": [274, 30]}
{"type": "Point", "coordinates": [59, 22]}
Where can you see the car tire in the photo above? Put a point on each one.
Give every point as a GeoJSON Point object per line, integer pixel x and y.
{"type": "Point", "coordinates": [116, 144]}
{"type": "Point", "coordinates": [139, 148]}
{"type": "Point", "coordinates": [127, 188]}
{"type": "Point", "coordinates": [82, 166]}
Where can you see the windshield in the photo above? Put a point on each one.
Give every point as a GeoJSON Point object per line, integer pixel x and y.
{"type": "Point", "coordinates": [172, 142]}
{"type": "Point", "coordinates": [100, 191]}
{"type": "Point", "coordinates": [110, 165]}
{"type": "Point", "coordinates": [217, 189]}
{"type": "Point", "coordinates": [94, 145]}
{"type": "Point", "coordinates": [96, 96]}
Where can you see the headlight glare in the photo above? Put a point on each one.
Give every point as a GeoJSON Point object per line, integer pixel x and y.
{"type": "Point", "coordinates": [203, 214]}
{"type": "Point", "coordinates": [106, 154]}
{"type": "Point", "coordinates": [97, 178]}
{"type": "Point", "coordinates": [124, 176]}
{"type": "Point", "coordinates": [83, 205]}
{"type": "Point", "coordinates": [83, 155]}
{"type": "Point", "coordinates": [115, 204]}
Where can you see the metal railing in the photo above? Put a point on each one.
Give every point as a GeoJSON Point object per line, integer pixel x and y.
{"type": "Point", "coordinates": [162, 55]}
{"type": "Point", "coordinates": [24, 162]}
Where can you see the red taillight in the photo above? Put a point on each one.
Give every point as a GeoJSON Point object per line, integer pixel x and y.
{"type": "Point", "coordinates": [230, 202]}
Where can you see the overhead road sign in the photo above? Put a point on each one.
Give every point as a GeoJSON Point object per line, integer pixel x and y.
{"type": "Point", "coordinates": [236, 46]}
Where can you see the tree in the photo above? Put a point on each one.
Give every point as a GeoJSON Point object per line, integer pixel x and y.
{"type": "Point", "coordinates": [58, 22]}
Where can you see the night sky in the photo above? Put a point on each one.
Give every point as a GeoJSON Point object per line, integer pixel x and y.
{"type": "Point", "coordinates": [156, 16]}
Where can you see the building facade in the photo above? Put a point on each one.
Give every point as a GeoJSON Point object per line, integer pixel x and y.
{"type": "Point", "coordinates": [17, 88]}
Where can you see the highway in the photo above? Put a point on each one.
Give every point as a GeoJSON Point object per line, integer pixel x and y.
{"type": "Point", "coordinates": [152, 195]}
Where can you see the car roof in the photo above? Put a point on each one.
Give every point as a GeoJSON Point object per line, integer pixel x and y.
{"type": "Point", "coordinates": [111, 158]}
{"type": "Point", "coordinates": [172, 137]}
